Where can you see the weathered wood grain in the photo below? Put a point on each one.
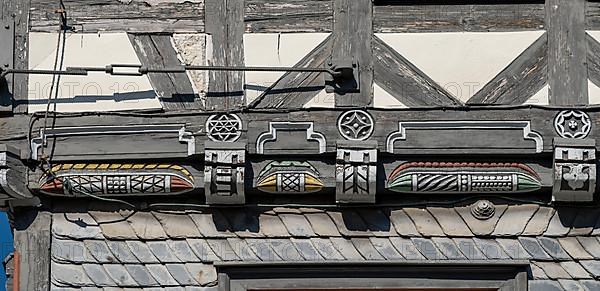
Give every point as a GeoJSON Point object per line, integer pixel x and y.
{"type": "Point", "coordinates": [417, 16]}
{"type": "Point", "coordinates": [405, 81]}
{"type": "Point", "coordinates": [593, 60]}
{"type": "Point", "coordinates": [15, 13]}
{"type": "Point", "coordinates": [114, 15]}
{"type": "Point", "coordinates": [567, 73]}
{"type": "Point", "coordinates": [592, 15]}
{"type": "Point", "coordinates": [32, 243]}
{"type": "Point", "coordinates": [294, 89]}
{"type": "Point", "coordinates": [288, 15]}
{"type": "Point", "coordinates": [175, 90]}
{"type": "Point", "coordinates": [353, 33]}
{"type": "Point", "coordinates": [225, 24]}
{"type": "Point", "coordinates": [523, 78]}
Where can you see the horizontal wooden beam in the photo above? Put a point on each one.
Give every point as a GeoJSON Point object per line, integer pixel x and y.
{"type": "Point", "coordinates": [288, 16]}
{"type": "Point", "coordinates": [389, 16]}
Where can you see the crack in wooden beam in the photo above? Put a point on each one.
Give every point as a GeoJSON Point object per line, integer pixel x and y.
{"type": "Point", "coordinates": [523, 78]}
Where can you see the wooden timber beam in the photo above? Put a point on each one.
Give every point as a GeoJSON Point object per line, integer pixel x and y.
{"type": "Point", "coordinates": [14, 17]}
{"type": "Point", "coordinates": [567, 52]}
{"type": "Point", "coordinates": [32, 249]}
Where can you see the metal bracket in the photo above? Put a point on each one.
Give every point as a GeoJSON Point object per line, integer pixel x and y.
{"type": "Point", "coordinates": [348, 78]}
{"type": "Point", "coordinates": [7, 52]}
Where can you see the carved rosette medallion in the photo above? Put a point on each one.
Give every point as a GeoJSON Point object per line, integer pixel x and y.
{"type": "Point", "coordinates": [289, 177]}
{"type": "Point", "coordinates": [117, 179]}
{"type": "Point", "coordinates": [223, 127]}
{"type": "Point", "coordinates": [572, 124]}
{"type": "Point", "coordinates": [421, 177]}
{"type": "Point", "coordinates": [483, 209]}
{"type": "Point", "coordinates": [356, 125]}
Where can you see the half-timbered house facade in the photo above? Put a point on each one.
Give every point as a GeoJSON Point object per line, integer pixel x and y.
{"type": "Point", "coordinates": [301, 145]}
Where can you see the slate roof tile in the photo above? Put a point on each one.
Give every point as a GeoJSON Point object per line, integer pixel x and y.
{"type": "Point", "coordinates": [297, 225]}
{"type": "Point", "coordinates": [182, 250]}
{"type": "Point", "coordinates": [285, 249]}
{"type": "Point", "coordinates": [141, 275]}
{"type": "Point", "coordinates": [242, 249]}
{"type": "Point", "coordinates": [212, 225]}
{"type": "Point", "coordinates": [142, 251]}
{"type": "Point", "coordinates": [385, 247]}
{"type": "Point", "coordinates": [69, 275]}
{"type": "Point", "coordinates": [481, 227]}
{"type": "Point", "coordinates": [349, 223]}
{"type": "Point", "coordinates": [161, 275]}
{"type": "Point", "coordinates": [428, 249]}
{"type": "Point", "coordinates": [272, 226]}
{"type": "Point", "coordinates": [468, 248]}
{"type": "Point", "coordinates": [113, 225]}
{"type": "Point", "coordinates": [544, 285]}
{"type": "Point", "coordinates": [571, 285]}
{"type": "Point", "coordinates": [452, 224]}
{"type": "Point", "coordinates": [326, 249]}
{"type": "Point", "coordinates": [76, 226]}
{"type": "Point", "coordinates": [121, 251]}
{"type": "Point", "coordinates": [513, 248]}
{"type": "Point", "coordinates": [162, 252]}
{"type": "Point", "coordinates": [403, 224]}
{"type": "Point", "coordinates": [346, 248]}
{"type": "Point", "coordinates": [515, 219]}
{"type": "Point", "coordinates": [448, 248]}
{"type": "Point", "coordinates": [591, 245]}
{"type": "Point", "coordinates": [590, 285]}
{"type": "Point", "coordinates": [146, 226]}
{"type": "Point", "coordinates": [366, 248]}
{"type": "Point", "coordinates": [572, 246]}
{"type": "Point", "coordinates": [407, 248]}
{"type": "Point", "coordinates": [181, 274]}
{"type": "Point", "coordinates": [538, 224]}
{"type": "Point", "coordinates": [202, 273]}
{"type": "Point", "coordinates": [66, 251]}
{"type": "Point", "coordinates": [178, 226]}
{"type": "Point", "coordinates": [306, 249]}
{"type": "Point", "coordinates": [424, 222]}
{"type": "Point", "coordinates": [537, 273]}
{"type": "Point", "coordinates": [553, 248]}
{"type": "Point", "coordinates": [322, 224]}
{"type": "Point", "coordinates": [584, 222]}
{"type": "Point", "coordinates": [222, 249]}
{"type": "Point", "coordinates": [262, 248]}
{"type": "Point", "coordinates": [243, 223]}
{"type": "Point", "coordinates": [100, 251]}
{"type": "Point", "coordinates": [575, 270]}
{"type": "Point", "coordinates": [202, 250]}
{"type": "Point", "coordinates": [561, 222]}
{"type": "Point", "coordinates": [98, 275]}
{"type": "Point", "coordinates": [553, 270]}
{"type": "Point", "coordinates": [120, 275]}
{"type": "Point", "coordinates": [533, 247]}
{"type": "Point", "coordinates": [378, 223]}
{"type": "Point", "coordinates": [491, 249]}
{"type": "Point", "coordinates": [592, 266]}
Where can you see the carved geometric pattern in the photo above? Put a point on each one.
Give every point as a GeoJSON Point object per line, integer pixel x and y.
{"type": "Point", "coordinates": [574, 172]}
{"type": "Point", "coordinates": [224, 174]}
{"type": "Point", "coordinates": [223, 127]}
{"type": "Point", "coordinates": [289, 177]}
{"type": "Point", "coordinates": [572, 124]}
{"type": "Point", "coordinates": [274, 127]}
{"type": "Point", "coordinates": [116, 179]}
{"type": "Point", "coordinates": [356, 125]}
{"type": "Point", "coordinates": [419, 177]}
{"type": "Point", "coordinates": [356, 175]}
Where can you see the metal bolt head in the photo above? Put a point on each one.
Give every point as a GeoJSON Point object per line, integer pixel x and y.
{"type": "Point", "coordinates": [7, 26]}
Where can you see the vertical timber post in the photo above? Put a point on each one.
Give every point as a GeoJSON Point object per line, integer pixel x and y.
{"type": "Point", "coordinates": [567, 52]}
{"type": "Point", "coordinates": [15, 14]}
{"type": "Point", "coordinates": [32, 244]}
{"type": "Point", "coordinates": [353, 34]}
{"type": "Point", "coordinates": [225, 24]}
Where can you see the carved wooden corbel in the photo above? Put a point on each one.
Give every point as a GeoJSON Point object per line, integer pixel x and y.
{"type": "Point", "coordinates": [356, 171]}
{"type": "Point", "coordinates": [574, 170]}
{"type": "Point", "coordinates": [224, 171]}
{"type": "Point", "coordinates": [13, 176]}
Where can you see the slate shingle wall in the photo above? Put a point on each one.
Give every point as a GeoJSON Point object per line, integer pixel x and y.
{"type": "Point", "coordinates": [175, 250]}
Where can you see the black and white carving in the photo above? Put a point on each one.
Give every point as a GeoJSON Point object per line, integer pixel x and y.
{"type": "Point", "coordinates": [572, 124]}
{"type": "Point", "coordinates": [223, 127]}
{"type": "Point", "coordinates": [356, 175]}
{"type": "Point", "coordinates": [274, 127]}
{"type": "Point", "coordinates": [356, 125]}
{"type": "Point", "coordinates": [574, 171]}
{"type": "Point", "coordinates": [224, 173]}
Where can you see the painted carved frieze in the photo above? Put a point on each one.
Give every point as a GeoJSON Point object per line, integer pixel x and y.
{"type": "Point", "coordinates": [447, 178]}
{"type": "Point", "coordinates": [82, 180]}
{"type": "Point", "coordinates": [13, 176]}
{"type": "Point", "coordinates": [356, 172]}
{"type": "Point", "coordinates": [574, 169]}
{"type": "Point", "coordinates": [572, 124]}
{"type": "Point", "coordinates": [224, 127]}
{"type": "Point", "coordinates": [224, 172]}
{"type": "Point", "coordinates": [356, 125]}
{"type": "Point", "coordinates": [289, 177]}
{"type": "Point", "coordinates": [277, 127]}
